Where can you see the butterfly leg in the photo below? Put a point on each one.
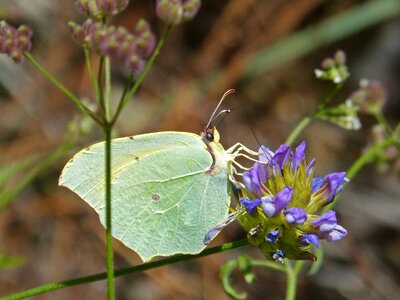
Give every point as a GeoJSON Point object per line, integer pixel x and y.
{"type": "Point", "coordinates": [238, 147]}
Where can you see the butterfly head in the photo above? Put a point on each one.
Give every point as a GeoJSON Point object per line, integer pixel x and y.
{"type": "Point", "coordinates": [210, 135]}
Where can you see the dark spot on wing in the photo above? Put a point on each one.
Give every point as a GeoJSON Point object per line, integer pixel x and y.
{"type": "Point", "coordinates": [155, 197]}
{"type": "Point", "coordinates": [131, 137]}
{"type": "Point", "coordinates": [137, 158]}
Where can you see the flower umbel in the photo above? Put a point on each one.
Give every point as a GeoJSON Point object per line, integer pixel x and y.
{"type": "Point", "coordinates": [15, 41]}
{"type": "Point", "coordinates": [132, 48]}
{"type": "Point", "coordinates": [334, 68]}
{"type": "Point", "coordinates": [282, 199]}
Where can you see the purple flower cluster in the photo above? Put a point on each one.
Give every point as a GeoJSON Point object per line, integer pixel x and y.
{"type": "Point", "coordinates": [15, 41]}
{"type": "Point", "coordinates": [177, 11]}
{"type": "Point", "coordinates": [101, 8]}
{"type": "Point", "coordinates": [132, 48]}
{"type": "Point", "coordinates": [283, 197]}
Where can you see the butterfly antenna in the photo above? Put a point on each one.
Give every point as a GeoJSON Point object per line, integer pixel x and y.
{"type": "Point", "coordinates": [212, 118]}
{"type": "Point", "coordinates": [255, 136]}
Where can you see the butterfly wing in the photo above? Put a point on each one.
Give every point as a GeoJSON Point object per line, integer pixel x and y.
{"type": "Point", "coordinates": [163, 198]}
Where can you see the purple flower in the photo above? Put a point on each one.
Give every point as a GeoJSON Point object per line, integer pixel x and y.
{"type": "Point", "coordinates": [117, 42]}
{"type": "Point", "coordinates": [317, 183]}
{"type": "Point", "coordinates": [272, 236]}
{"type": "Point", "coordinates": [278, 255]}
{"type": "Point", "coordinates": [335, 234]}
{"type": "Point", "coordinates": [309, 238]}
{"type": "Point", "coordinates": [310, 167]}
{"type": "Point", "coordinates": [282, 198]}
{"type": "Point", "coordinates": [15, 41]}
{"type": "Point", "coordinates": [273, 206]}
{"type": "Point", "coordinates": [295, 215]}
{"type": "Point", "coordinates": [250, 205]}
{"type": "Point", "coordinates": [334, 185]}
{"type": "Point", "coordinates": [265, 155]}
{"type": "Point", "coordinates": [268, 206]}
{"type": "Point", "coordinates": [279, 158]}
{"type": "Point", "coordinates": [255, 177]}
{"type": "Point", "coordinates": [298, 156]}
{"type": "Point", "coordinates": [326, 222]}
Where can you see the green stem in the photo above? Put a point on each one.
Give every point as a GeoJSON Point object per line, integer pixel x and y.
{"type": "Point", "coordinates": [291, 283]}
{"type": "Point", "coordinates": [95, 83]}
{"type": "Point", "coordinates": [109, 248]}
{"type": "Point", "coordinates": [107, 88]}
{"type": "Point", "coordinates": [298, 129]}
{"type": "Point", "coordinates": [62, 87]}
{"type": "Point", "coordinates": [382, 120]}
{"type": "Point", "coordinates": [121, 272]}
{"type": "Point", "coordinates": [292, 275]}
{"type": "Point", "coordinates": [143, 74]}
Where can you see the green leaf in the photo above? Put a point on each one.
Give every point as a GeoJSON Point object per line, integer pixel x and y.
{"type": "Point", "coordinates": [166, 191]}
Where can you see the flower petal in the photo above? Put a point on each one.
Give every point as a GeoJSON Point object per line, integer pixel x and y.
{"type": "Point", "coordinates": [268, 206]}
{"type": "Point", "coordinates": [282, 199]}
{"type": "Point", "coordinates": [326, 222]}
{"type": "Point", "coordinates": [295, 215]}
{"type": "Point", "coordinates": [309, 238]}
{"type": "Point", "coordinates": [250, 205]}
{"type": "Point", "coordinates": [273, 236]}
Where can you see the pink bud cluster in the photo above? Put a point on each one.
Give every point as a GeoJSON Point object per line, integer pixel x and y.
{"type": "Point", "coordinates": [101, 8]}
{"type": "Point", "coordinates": [132, 48]}
{"type": "Point", "coordinates": [15, 41]}
{"type": "Point", "coordinates": [177, 11]}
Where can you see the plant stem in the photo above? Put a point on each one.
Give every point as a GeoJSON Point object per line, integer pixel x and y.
{"type": "Point", "coordinates": [298, 129]}
{"type": "Point", "coordinates": [109, 248]}
{"type": "Point", "coordinates": [107, 99]}
{"type": "Point", "coordinates": [143, 74]}
{"type": "Point", "coordinates": [95, 83]}
{"type": "Point", "coordinates": [291, 281]}
{"type": "Point", "coordinates": [140, 268]}
{"type": "Point", "coordinates": [62, 88]}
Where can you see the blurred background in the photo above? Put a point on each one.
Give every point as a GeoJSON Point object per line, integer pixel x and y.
{"type": "Point", "coordinates": [267, 51]}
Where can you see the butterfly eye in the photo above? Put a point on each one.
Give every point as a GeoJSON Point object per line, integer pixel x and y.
{"type": "Point", "coordinates": [210, 136]}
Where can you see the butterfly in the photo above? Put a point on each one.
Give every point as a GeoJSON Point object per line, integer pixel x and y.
{"type": "Point", "coordinates": [168, 188]}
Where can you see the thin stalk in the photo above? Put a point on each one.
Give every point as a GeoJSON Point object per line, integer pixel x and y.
{"type": "Point", "coordinates": [143, 74]}
{"type": "Point", "coordinates": [107, 89]}
{"type": "Point", "coordinates": [291, 283]}
{"type": "Point", "coordinates": [109, 248]}
{"type": "Point", "coordinates": [298, 129]}
{"type": "Point", "coordinates": [388, 130]}
{"type": "Point", "coordinates": [95, 83]}
{"type": "Point", "coordinates": [100, 80]}
{"type": "Point", "coordinates": [121, 272]}
{"type": "Point", "coordinates": [328, 97]}
{"type": "Point", "coordinates": [62, 88]}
